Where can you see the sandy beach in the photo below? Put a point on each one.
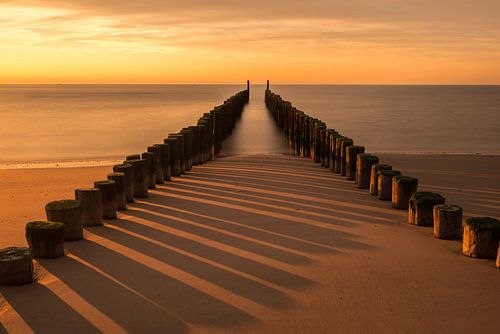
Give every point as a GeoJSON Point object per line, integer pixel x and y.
{"type": "Point", "coordinates": [258, 243]}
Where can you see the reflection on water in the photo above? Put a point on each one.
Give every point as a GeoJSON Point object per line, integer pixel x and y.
{"type": "Point", "coordinates": [256, 131]}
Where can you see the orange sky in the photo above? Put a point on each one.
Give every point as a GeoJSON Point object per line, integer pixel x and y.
{"type": "Point", "coordinates": [295, 41]}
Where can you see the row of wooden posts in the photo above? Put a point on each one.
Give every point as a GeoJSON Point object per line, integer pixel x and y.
{"type": "Point", "coordinates": [310, 137]}
{"type": "Point", "coordinates": [193, 145]}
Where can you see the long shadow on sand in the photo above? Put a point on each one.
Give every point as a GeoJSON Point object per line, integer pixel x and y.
{"type": "Point", "coordinates": [47, 309]}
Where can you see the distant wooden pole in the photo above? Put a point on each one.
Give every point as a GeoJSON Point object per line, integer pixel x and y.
{"type": "Point", "coordinates": [248, 85]}
{"type": "Point", "coordinates": [267, 87]}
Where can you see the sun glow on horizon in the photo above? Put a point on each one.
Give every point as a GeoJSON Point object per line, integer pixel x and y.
{"type": "Point", "coordinates": [88, 42]}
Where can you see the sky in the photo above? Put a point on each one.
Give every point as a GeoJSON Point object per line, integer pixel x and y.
{"type": "Point", "coordinates": [229, 41]}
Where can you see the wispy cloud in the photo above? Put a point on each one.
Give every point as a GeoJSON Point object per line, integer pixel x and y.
{"type": "Point", "coordinates": [347, 31]}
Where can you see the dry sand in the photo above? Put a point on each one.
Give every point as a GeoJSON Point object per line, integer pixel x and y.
{"type": "Point", "coordinates": [271, 244]}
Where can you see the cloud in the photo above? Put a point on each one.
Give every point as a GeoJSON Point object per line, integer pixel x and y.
{"type": "Point", "coordinates": [314, 30]}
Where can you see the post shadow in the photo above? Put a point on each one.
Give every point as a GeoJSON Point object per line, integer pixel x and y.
{"type": "Point", "coordinates": [130, 310]}
{"type": "Point", "coordinates": [326, 236]}
{"type": "Point", "coordinates": [182, 301]}
{"type": "Point", "coordinates": [264, 202]}
{"type": "Point", "coordinates": [315, 210]}
{"type": "Point", "coordinates": [259, 233]}
{"type": "Point", "coordinates": [223, 278]}
{"type": "Point", "coordinates": [40, 308]}
{"type": "Point", "coordinates": [242, 264]}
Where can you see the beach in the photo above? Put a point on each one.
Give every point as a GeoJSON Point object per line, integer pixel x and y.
{"type": "Point", "coordinates": [258, 243]}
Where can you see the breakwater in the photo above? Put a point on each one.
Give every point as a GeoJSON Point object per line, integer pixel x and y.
{"type": "Point", "coordinates": [191, 146]}
{"type": "Point", "coordinates": [310, 137]}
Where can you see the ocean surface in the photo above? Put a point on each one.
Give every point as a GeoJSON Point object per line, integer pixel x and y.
{"type": "Point", "coordinates": [94, 122]}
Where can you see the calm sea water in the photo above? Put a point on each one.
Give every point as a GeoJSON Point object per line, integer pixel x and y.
{"type": "Point", "coordinates": [409, 119]}
{"type": "Point", "coordinates": [59, 122]}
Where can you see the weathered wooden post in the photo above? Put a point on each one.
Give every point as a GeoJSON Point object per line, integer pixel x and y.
{"type": "Point", "coordinates": [16, 266]}
{"type": "Point", "coordinates": [188, 147]}
{"type": "Point", "coordinates": [364, 165]}
{"type": "Point", "coordinates": [91, 206]}
{"type": "Point", "coordinates": [133, 157]}
{"type": "Point", "coordinates": [385, 179]}
{"type": "Point", "coordinates": [447, 221]}
{"type": "Point", "coordinates": [182, 158]}
{"type": "Point", "coordinates": [481, 237]}
{"type": "Point", "coordinates": [140, 180]}
{"type": "Point", "coordinates": [175, 162]}
{"type": "Point", "coordinates": [420, 209]}
{"type": "Point", "coordinates": [69, 213]}
{"type": "Point", "coordinates": [338, 155]}
{"type": "Point", "coordinates": [374, 177]}
{"type": "Point", "coordinates": [121, 194]}
{"type": "Point", "coordinates": [204, 154]}
{"type": "Point", "coordinates": [345, 143]}
{"type": "Point", "coordinates": [351, 158]}
{"type": "Point", "coordinates": [248, 86]}
{"type": "Point", "coordinates": [158, 167]}
{"type": "Point", "coordinates": [108, 198]}
{"type": "Point", "coordinates": [402, 188]}
{"type": "Point", "coordinates": [267, 86]}
{"type": "Point", "coordinates": [165, 160]}
{"type": "Point", "coordinates": [150, 169]}
{"type": "Point", "coordinates": [128, 170]}
{"type": "Point", "coordinates": [46, 239]}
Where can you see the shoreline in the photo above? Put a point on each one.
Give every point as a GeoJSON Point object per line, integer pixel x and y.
{"type": "Point", "coordinates": [110, 161]}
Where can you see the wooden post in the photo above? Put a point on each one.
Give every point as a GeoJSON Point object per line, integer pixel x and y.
{"type": "Point", "coordinates": [481, 237]}
{"type": "Point", "coordinates": [69, 213]}
{"type": "Point", "coordinates": [248, 86]}
{"type": "Point", "coordinates": [364, 165]}
{"type": "Point", "coordinates": [140, 180]}
{"type": "Point", "coordinates": [374, 177]}
{"type": "Point", "coordinates": [16, 266]}
{"type": "Point", "coordinates": [108, 198]}
{"type": "Point", "coordinates": [385, 179]}
{"type": "Point", "coordinates": [175, 162]}
{"type": "Point", "coordinates": [46, 239]}
{"type": "Point", "coordinates": [188, 148]}
{"type": "Point", "coordinates": [420, 209]}
{"type": "Point", "coordinates": [128, 170]}
{"type": "Point", "coordinates": [182, 161]}
{"type": "Point", "coordinates": [150, 169]}
{"type": "Point", "coordinates": [345, 143]}
{"type": "Point", "coordinates": [121, 193]}
{"type": "Point", "coordinates": [402, 189]}
{"type": "Point", "coordinates": [165, 160]}
{"type": "Point", "coordinates": [351, 159]}
{"type": "Point", "coordinates": [158, 167]}
{"type": "Point", "coordinates": [447, 221]}
{"type": "Point", "coordinates": [338, 155]}
{"type": "Point", "coordinates": [267, 86]}
{"type": "Point", "coordinates": [91, 204]}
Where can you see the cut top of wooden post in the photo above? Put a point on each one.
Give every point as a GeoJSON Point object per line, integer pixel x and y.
{"type": "Point", "coordinates": [65, 204]}
{"type": "Point", "coordinates": [483, 224]}
{"type": "Point", "coordinates": [44, 225]}
{"type": "Point", "coordinates": [13, 253]}
{"type": "Point", "coordinates": [426, 198]}
{"type": "Point", "coordinates": [133, 157]}
{"type": "Point", "coordinates": [404, 179]}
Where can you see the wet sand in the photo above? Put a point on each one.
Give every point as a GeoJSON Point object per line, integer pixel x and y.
{"type": "Point", "coordinates": [257, 243]}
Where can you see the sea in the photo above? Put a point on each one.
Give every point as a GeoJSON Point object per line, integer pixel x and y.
{"type": "Point", "coordinates": [91, 124]}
